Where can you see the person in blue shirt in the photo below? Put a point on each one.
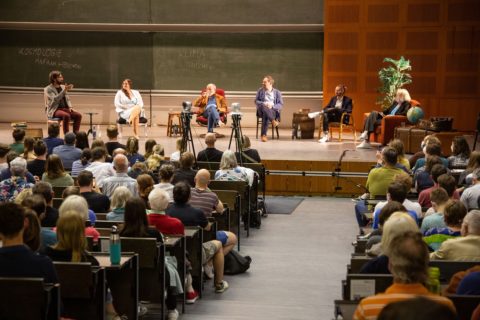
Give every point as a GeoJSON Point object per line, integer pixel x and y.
{"type": "Point", "coordinates": [269, 102]}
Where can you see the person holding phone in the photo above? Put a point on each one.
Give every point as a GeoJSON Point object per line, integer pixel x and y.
{"type": "Point", "coordinates": [57, 102]}
{"type": "Point", "coordinates": [211, 104]}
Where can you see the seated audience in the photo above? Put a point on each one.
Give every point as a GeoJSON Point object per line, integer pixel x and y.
{"type": "Point", "coordinates": [7, 173]}
{"type": "Point", "coordinates": [157, 217]}
{"type": "Point", "coordinates": [249, 155]}
{"type": "Point", "coordinates": [51, 214]}
{"type": "Point", "coordinates": [454, 213]}
{"type": "Point", "coordinates": [81, 140]}
{"type": "Point", "coordinates": [432, 148]}
{"type": "Point", "coordinates": [465, 178]}
{"type": "Point", "coordinates": [74, 190]}
{"type": "Point", "coordinates": [424, 196]}
{"type": "Point", "coordinates": [53, 140]}
{"type": "Point", "coordinates": [36, 202]}
{"type": "Point", "coordinates": [28, 153]}
{"type": "Point", "coordinates": [231, 171]}
{"type": "Point", "coordinates": [99, 167]}
{"type": "Point", "coordinates": [408, 263]}
{"type": "Point", "coordinates": [202, 197]}
{"type": "Point", "coordinates": [166, 175]}
{"type": "Point", "coordinates": [210, 153]}
{"type": "Point", "coordinates": [4, 149]}
{"type": "Point", "coordinates": [149, 144]}
{"type": "Point", "coordinates": [470, 284]}
{"type": "Point", "coordinates": [55, 173]}
{"type": "Point", "coordinates": [112, 143]}
{"type": "Point", "coordinates": [68, 153]}
{"type": "Point", "coordinates": [401, 160]}
{"type": "Point", "coordinates": [156, 159]}
{"type": "Point", "coordinates": [471, 195]}
{"type": "Point", "coordinates": [132, 151]}
{"type": "Point", "coordinates": [119, 198]}
{"type": "Point", "coordinates": [31, 234]}
{"type": "Point", "coordinates": [76, 204]}
{"type": "Point", "coordinates": [82, 163]}
{"type": "Point", "coordinates": [414, 206]}
{"type": "Point", "coordinates": [466, 247]}
{"type": "Point", "coordinates": [175, 156]}
{"type": "Point", "coordinates": [439, 199]}
{"type": "Point", "coordinates": [37, 165]}
{"type": "Point", "coordinates": [418, 308]}
{"type": "Point", "coordinates": [423, 176]}
{"type": "Point", "coordinates": [11, 187]}
{"type": "Point", "coordinates": [18, 134]}
{"type": "Point", "coordinates": [16, 259]}
{"type": "Point", "coordinates": [97, 202]}
{"type": "Point", "coordinates": [460, 153]}
{"type": "Point", "coordinates": [185, 172]}
{"type": "Point", "coordinates": [397, 224]}
{"type": "Point", "coordinates": [145, 186]}
{"type": "Point", "coordinates": [120, 178]}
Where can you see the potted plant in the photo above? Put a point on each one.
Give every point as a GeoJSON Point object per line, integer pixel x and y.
{"type": "Point", "coordinates": [393, 77]}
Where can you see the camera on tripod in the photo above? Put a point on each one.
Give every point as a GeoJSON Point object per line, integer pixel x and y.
{"type": "Point", "coordinates": [187, 109]}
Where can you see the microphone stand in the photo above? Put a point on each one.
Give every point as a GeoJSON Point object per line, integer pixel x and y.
{"type": "Point", "coordinates": [338, 169]}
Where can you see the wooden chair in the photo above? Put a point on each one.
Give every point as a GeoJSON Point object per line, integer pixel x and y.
{"type": "Point", "coordinates": [274, 129]}
{"type": "Point", "coordinates": [380, 283]}
{"type": "Point", "coordinates": [346, 123]}
{"type": "Point", "coordinates": [231, 198]}
{"type": "Point", "coordinates": [465, 305]}
{"type": "Point", "coordinates": [29, 298]}
{"type": "Point", "coordinates": [82, 290]}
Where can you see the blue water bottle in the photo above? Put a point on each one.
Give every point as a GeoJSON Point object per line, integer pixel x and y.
{"type": "Point", "coordinates": [115, 247]}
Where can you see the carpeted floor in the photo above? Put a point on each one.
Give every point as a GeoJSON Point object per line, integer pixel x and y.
{"type": "Point", "coordinates": [282, 205]}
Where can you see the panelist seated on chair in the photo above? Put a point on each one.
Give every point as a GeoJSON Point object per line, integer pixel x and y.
{"type": "Point", "coordinates": [333, 111]}
{"type": "Point", "coordinates": [211, 105]}
{"type": "Point", "coordinates": [399, 107]}
{"type": "Point", "coordinates": [129, 106]}
{"type": "Point", "coordinates": [58, 104]}
{"type": "Point", "coordinates": [269, 102]}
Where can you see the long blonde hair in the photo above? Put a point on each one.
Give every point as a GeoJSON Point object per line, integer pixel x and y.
{"type": "Point", "coordinates": [71, 235]}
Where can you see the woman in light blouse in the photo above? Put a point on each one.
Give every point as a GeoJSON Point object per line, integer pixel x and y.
{"type": "Point", "coordinates": [129, 105]}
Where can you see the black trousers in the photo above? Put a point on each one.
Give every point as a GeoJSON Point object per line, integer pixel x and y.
{"type": "Point", "coordinates": [331, 115]}
{"type": "Point", "coordinates": [373, 120]}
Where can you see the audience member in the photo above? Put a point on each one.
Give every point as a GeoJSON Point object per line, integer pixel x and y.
{"type": "Point", "coordinates": [36, 202]}
{"type": "Point", "coordinates": [145, 185]}
{"type": "Point", "coordinates": [112, 143]}
{"type": "Point", "coordinates": [418, 308]}
{"type": "Point", "coordinates": [51, 214]}
{"type": "Point", "coordinates": [249, 155]}
{"type": "Point", "coordinates": [77, 205]}
{"type": "Point", "coordinates": [401, 160]}
{"type": "Point", "coordinates": [166, 175]}
{"type": "Point", "coordinates": [149, 144]}
{"type": "Point", "coordinates": [408, 263]}
{"type": "Point", "coordinates": [432, 148]}
{"type": "Point", "coordinates": [423, 176]}
{"type": "Point", "coordinates": [7, 173]}
{"type": "Point", "coordinates": [74, 190]}
{"type": "Point", "coordinates": [82, 163]}
{"type": "Point", "coordinates": [471, 195]}
{"type": "Point", "coordinates": [99, 168]}
{"type": "Point", "coordinates": [18, 135]}
{"type": "Point", "coordinates": [16, 259]}
{"type": "Point", "coordinates": [159, 201]}
{"type": "Point", "coordinates": [470, 284]}
{"type": "Point", "coordinates": [210, 153]}
{"type": "Point", "coordinates": [424, 195]}
{"type": "Point", "coordinates": [439, 199]}
{"type": "Point", "coordinates": [12, 186]}
{"type": "Point", "coordinates": [37, 165]}
{"type": "Point", "coordinates": [4, 149]}
{"type": "Point", "coordinates": [460, 153]}
{"type": "Point", "coordinates": [68, 152]}
{"type": "Point", "coordinates": [185, 172]}
{"type": "Point", "coordinates": [132, 151]}
{"type": "Point", "coordinates": [175, 156]}
{"type": "Point", "coordinates": [53, 140]}
{"type": "Point", "coordinates": [55, 173]}
{"type": "Point", "coordinates": [119, 198]}
{"type": "Point", "coordinates": [231, 171]}
{"type": "Point", "coordinates": [121, 178]}
{"type": "Point", "coordinates": [97, 201]}
{"type": "Point", "coordinates": [28, 153]}
{"type": "Point", "coordinates": [81, 140]}
{"type": "Point", "coordinates": [202, 197]}
{"type": "Point", "coordinates": [473, 163]}
{"type": "Point", "coordinates": [31, 233]}
{"type": "Point", "coordinates": [466, 247]}
{"type": "Point", "coordinates": [454, 213]}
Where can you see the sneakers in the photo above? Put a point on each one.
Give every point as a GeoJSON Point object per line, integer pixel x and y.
{"type": "Point", "coordinates": [221, 287]}
{"type": "Point", "coordinates": [191, 297]}
{"type": "Point", "coordinates": [264, 139]}
{"type": "Point", "coordinates": [208, 270]}
{"type": "Point", "coordinates": [324, 139]}
{"type": "Point", "coordinates": [364, 135]}
{"type": "Point", "coordinates": [275, 123]}
{"type": "Point", "coordinates": [313, 115]}
{"type": "Point", "coordinates": [172, 314]}
{"type": "Point", "coordinates": [364, 145]}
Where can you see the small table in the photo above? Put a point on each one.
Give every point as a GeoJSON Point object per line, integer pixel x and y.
{"type": "Point", "coordinates": [91, 123]}
{"type": "Point", "coordinates": [303, 126]}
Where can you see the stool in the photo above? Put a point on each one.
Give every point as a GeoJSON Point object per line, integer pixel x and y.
{"type": "Point", "coordinates": [171, 116]}
{"type": "Point", "coordinates": [90, 130]}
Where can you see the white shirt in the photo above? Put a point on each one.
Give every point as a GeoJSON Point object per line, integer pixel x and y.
{"type": "Point", "coordinates": [409, 205]}
{"type": "Point", "coordinates": [100, 171]}
{"type": "Point", "coordinates": [122, 102]}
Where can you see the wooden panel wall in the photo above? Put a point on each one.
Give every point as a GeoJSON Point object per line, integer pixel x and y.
{"type": "Point", "coordinates": [441, 38]}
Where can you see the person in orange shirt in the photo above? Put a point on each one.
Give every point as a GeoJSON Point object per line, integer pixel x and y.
{"type": "Point", "coordinates": [408, 263]}
{"type": "Point", "coordinates": [210, 104]}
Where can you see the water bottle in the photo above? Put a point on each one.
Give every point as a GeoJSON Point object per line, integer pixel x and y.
{"type": "Point", "coordinates": [294, 131]}
{"type": "Point", "coordinates": [434, 280]}
{"type": "Point", "coordinates": [115, 248]}
{"type": "Point", "coordinates": [94, 132]}
{"type": "Point", "coordinates": [299, 131]}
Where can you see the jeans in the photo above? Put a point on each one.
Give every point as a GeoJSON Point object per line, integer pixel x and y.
{"type": "Point", "coordinates": [211, 113]}
{"type": "Point", "coordinates": [360, 209]}
{"type": "Point", "coordinates": [66, 115]}
{"type": "Point", "coordinates": [267, 116]}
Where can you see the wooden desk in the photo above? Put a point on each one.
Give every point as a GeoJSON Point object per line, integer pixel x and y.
{"type": "Point", "coordinates": [122, 280]}
{"type": "Point", "coordinates": [175, 245]}
{"type": "Point", "coordinates": [194, 237]}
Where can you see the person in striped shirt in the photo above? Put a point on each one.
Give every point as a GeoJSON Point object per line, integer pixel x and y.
{"type": "Point", "coordinates": [408, 264]}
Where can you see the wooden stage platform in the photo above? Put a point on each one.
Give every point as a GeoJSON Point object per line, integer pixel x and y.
{"type": "Point", "coordinates": [284, 154]}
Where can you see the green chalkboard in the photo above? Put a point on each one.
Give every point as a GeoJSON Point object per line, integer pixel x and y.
{"type": "Point", "coordinates": [165, 11]}
{"type": "Point", "coordinates": [88, 59]}
{"type": "Point", "coordinates": [238, 61]}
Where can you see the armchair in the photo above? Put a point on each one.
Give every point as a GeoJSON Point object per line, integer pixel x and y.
{"type": "Point", "coordinates": [201, 120]}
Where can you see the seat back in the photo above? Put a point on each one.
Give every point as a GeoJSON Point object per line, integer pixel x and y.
{"type": "Point", "coordinates": [147, 249]}
{"type": "Point", "coordinates": [107, 223]}
{"type": "Point", "coordinates": [465, 305]}
{"type": "Point", "coordinates": [358, 286]}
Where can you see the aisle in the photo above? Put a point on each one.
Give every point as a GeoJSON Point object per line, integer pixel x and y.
{"type": "Point", "coordinates": [298, 263]}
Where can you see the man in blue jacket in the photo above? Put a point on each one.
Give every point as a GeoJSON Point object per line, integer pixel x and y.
{"type": "Point", "coordinates": [269, 103]}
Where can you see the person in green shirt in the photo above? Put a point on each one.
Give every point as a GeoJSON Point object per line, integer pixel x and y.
{"type": "Point", "coordinates": [18, 135]}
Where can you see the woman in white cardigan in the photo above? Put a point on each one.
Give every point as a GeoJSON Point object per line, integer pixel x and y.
{"type": "Point", "coordinates": [129, 105]}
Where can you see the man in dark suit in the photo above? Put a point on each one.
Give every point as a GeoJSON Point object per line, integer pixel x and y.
{"type": "Point", "coordinates": [333, 111]}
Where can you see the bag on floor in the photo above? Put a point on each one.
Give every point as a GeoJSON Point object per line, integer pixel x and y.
{"type": "Point", "coordinates": [235, 263]}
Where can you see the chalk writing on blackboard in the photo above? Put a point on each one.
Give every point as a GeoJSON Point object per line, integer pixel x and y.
{"type": "Point", "coordinates": [51, 57]}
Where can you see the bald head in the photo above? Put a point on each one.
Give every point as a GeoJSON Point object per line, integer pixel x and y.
{"type": "Point", "coordinates": [119, 151]}
{"type": "Point", "coordinates": [120, 162]}
{"type": "Point", "coordinates": [210, 139]}
{"type": "Point", "coordinates": [202, 178]}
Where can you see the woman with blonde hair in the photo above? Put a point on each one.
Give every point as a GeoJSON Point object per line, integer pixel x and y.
{"type": "Point", "coordinates": [129, 105]}
{"type": "Point", "coordinates": [55, 173]}
{"type": "Point", "coordinates": [145, 185]}
{"type": "Point", "coordinates": [119, 198]}
{"type": "Point", "coordinates": [398, 146]}
{"type": "Point", "coordinates": [132, 151]}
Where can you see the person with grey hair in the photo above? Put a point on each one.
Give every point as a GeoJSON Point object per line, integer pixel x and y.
{"type": "Point", "coordinates": [77, 205]}
{"type": "Point", "coordinates": [231, 171]}
{"type": "Point", "coordinates": [210, 104]}
{"type": "Point", "coordinates": [409, 267]}
{"type": "Point", "coordinates": [11, 187]}
{"type": "Point", "coordinates": [68, 153]}
{"type": "Point", "coordinates": [471, 195]}
{"type": "Point", "coordinates": [159, 200]}
{"type": "Point", "coordinates": [466, 247]}
{"type": "Point", "coordinates": [119, 199]}
{"type": "Point", "coordinates": [121, 178]}
{"type": "Point", "coordinates": [210, 153]}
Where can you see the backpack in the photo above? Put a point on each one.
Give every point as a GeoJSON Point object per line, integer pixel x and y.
{"type": "Point", "coordinates": [235, 263]}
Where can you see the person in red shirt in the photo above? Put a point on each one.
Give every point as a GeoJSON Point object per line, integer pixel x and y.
{"type": "Point", "coordinates": [159, 201]}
